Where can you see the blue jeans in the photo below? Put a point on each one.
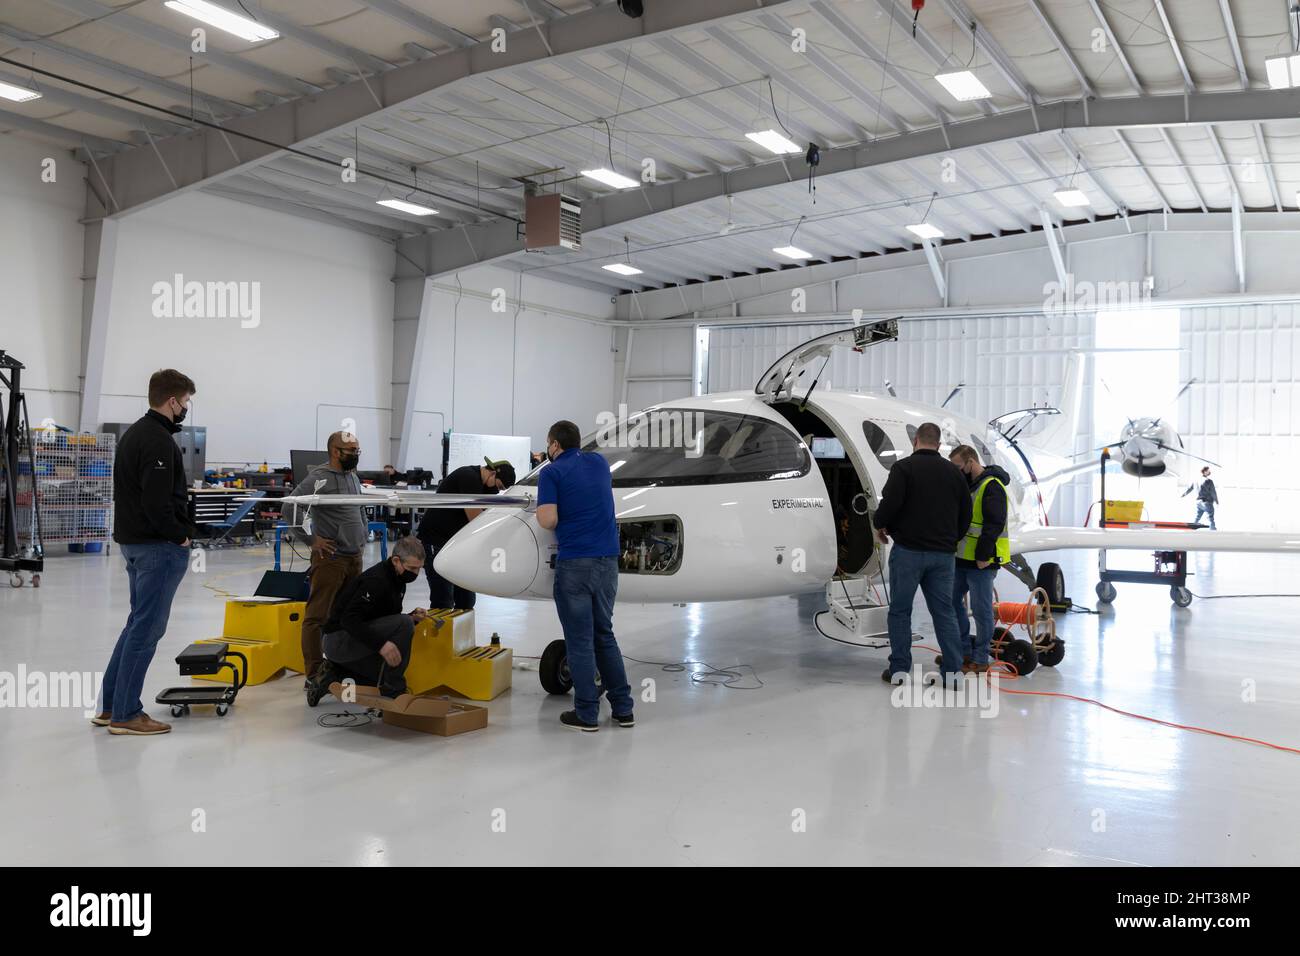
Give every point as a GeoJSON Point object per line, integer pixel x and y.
{"type": "Point", "coordinates": [979, 584]}
{"type": "Point", "coordinates": [442, 593]}
{"type": "Point", "coordinates": [154, 571]}
{"type": "Point", "coordinates": [1205, 507]}
{"type": "Point", "coordinates": [584, 598]}
{"type": "Point", "coordinates": [932, 572]}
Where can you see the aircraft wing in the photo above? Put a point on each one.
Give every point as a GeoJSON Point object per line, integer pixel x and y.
{"type": "Point", "coordinates": [1153, 539]}
{"type": "Point", "coordinates": [410, 499]}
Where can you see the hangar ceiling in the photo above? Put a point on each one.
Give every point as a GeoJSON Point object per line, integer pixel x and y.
{"type": "Point", "coordinates": [1142, 104]}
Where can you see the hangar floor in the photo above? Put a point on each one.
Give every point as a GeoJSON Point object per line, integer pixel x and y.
{"type": "Point", "coordinates": [709, 775]}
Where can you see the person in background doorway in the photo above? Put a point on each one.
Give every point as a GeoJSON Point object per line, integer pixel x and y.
{"type": "Point", "coordinates": [367, 637]}
{"type": "Point", "coordinates": [439, 525]}
{"type": "Point", "coordinates": [926, 508]}
{"type": "Point", "coordinates": [338, 534]}
{"type": "Point", "coordinates": [1207, 496]}
{"type": "Point", "coordinates": [575, 499]}
{"type": "Point", "coordinates": [151, 524]}
{"type": "Point", "coordinates": [984, 548]}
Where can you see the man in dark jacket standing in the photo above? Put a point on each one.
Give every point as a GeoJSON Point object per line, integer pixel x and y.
{"type": "Point", "coordinates": [925, 507]}
{"type": "Point", "coordinates": [367, 637]}
{"type": "Point", "coordinates": [1207, 496]}
{"type": "Point", "coordinates": [984, 548]}
{"type": "Point", "coordinates": [151, 525]}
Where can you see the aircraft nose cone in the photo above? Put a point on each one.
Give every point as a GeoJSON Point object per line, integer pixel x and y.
{"type": "Point", "coordinates": [494, 554]}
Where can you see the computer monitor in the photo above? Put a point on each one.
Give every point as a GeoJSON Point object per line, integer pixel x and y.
{"type": "Point", "coordinates": [827, 448]}
{"type": "Point", "coordinates": [302, 462]}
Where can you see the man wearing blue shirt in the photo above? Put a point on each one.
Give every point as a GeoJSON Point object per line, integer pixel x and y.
{"type": "Point", "coordinates": [575, 498]}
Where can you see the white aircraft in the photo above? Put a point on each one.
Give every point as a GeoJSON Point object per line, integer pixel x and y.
{"type": "Point", "coordinates": [771, 492]}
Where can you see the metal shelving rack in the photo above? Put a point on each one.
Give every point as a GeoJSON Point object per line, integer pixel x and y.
{"type": "Point", "coordinates": [74, 488]}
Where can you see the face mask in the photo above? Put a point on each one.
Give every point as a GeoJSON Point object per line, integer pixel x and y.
{"type": "Point", "coordinates": [180, 416]}
{"type": "Point", "coordinates": [406, 577]}
{"type": "Point", "coordinates": [348, 462]}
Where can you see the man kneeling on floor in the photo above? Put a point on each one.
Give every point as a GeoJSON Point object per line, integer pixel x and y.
{"type": "Point", "coordinates": [367, 637]}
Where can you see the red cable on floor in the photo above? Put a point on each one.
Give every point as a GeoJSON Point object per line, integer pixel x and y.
{"type": "Point", "coordinates": [1008, 672]}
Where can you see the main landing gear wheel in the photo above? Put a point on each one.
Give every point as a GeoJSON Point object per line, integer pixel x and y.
{"type": "Point", "coordinates": [1052, 580]}
{"type": "Point", "coordinates": [554, 669]}
{"type": "Point", "coordinates": [1105, 592]}
{"type": "Point", "coordinates": [1180, 596]}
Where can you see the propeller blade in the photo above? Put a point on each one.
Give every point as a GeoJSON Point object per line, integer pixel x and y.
{"type": "Point", "coordinates": [1180, 451]}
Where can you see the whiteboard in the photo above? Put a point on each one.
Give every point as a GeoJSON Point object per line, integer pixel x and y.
{"type": "Point", "coordinates": [465, 449]}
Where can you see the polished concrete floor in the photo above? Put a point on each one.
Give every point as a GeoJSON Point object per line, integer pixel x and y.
{"type": "Point", "coordinates": [815, 766]}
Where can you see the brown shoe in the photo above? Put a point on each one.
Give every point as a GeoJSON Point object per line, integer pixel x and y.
{"type": "Point", "coordinates": [965, 663]}
{"type": "Point", "coordinates": [971, 667]}
{"type": "Point", "coordinates": [142, 726]}
{"type": "Point", "coordinates": [102, 720]}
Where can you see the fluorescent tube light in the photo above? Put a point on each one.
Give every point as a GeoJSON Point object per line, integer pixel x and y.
{"type": "Point", "coordinates": [963, 85]}
{"type": "Point", "coordinates": [408, 207]}
{"type": "Point", "coordinates": [18, 94]}
{"type": "Point", "coordinates": [774, 142]}
{"type": "Point", "coordinates": [223, 19]}
{"type": "Point", "coordinates": [623, 269]}
{"type": "Point", "coordinates": [610, 178]}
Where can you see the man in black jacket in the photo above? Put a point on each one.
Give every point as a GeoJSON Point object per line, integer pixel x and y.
{"type": "Point", "coordinates": [926, 508]}
{"type": "Point", "coordinates": [984, 548]}
{"type": "Point", "coordinates": [151, 525]}
{"type": "Point", "coordinates": [1207, 496]}
{"type": "Point", "coordinates": [367, 637]}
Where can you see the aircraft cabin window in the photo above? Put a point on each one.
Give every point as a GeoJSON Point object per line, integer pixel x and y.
{"type": "Point", "coordinates": [880, 444]}
{"type": "Point", "coordinates": [698, 447]}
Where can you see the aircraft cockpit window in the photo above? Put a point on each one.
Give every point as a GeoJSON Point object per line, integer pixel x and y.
{"type": "Point", "coordinates": [679, 446]}
{"type": "Point", "coordinates": [880, 444]}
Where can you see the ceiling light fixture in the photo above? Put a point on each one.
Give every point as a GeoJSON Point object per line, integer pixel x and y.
{"type": "Point", "coordinates": [402, 205]}
{"type": "Point", "coordinates": [18, 94]}
{"type": "Point", "coordinates": [1072, 197]}
{"type": "Point", "coordinates": [963, 85]}
{"type": "Point", "coordinates": [623, 269]}
{"type": "Point", "coordinates": [223, 19]}
{"type": "Point", "coordinates": [774, 142]}
{"type": "Point", "coordinates": [1283, 71]}
{"type": "Point", "coordinates": [923, 230]}
{"type": "Point", "coordinates": [790, 250]}
{"type": "Point", "coordinates": [610, 178]}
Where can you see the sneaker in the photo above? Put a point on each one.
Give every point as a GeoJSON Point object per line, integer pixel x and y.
{"type": "Point", "coordinates": [319, 683]}
{"type": "Point", "coordinates": [571, 720]}
{"type": "Point", "coordinates": [142, 726]}
{"type": "Point", "coordinates": [624, 721]}
{"type": "Point", "coordinates": [102, 720]}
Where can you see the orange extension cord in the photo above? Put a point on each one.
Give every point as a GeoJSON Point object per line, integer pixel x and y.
{"type": "Point", "coordinates": [1007, 671]}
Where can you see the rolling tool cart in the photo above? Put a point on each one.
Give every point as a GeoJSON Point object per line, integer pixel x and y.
{"type": "Point", "coordinates": [206, 658]}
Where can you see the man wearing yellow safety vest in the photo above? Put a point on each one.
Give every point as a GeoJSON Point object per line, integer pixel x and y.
{"type": "Point", "coordinates": [984, 548]}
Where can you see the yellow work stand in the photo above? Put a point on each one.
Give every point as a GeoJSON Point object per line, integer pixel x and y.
{"type": "Point", "coordinates": [444, 654]}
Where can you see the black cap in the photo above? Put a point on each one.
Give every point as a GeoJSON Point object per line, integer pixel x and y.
{"type": "Point", "coordinates": [504, 470]}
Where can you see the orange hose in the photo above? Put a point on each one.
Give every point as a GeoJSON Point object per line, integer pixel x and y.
{"type": "Point", "coordinates": [1008, 613]}
{"type": "Point", "coordinates": [1007, 671]}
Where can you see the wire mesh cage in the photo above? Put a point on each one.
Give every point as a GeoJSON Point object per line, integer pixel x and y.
{"type": "Point", "coordinates": [73, 476]}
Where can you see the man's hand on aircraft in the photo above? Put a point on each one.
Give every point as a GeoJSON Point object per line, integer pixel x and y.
{"type": "Point", "coordinates": [882, 536]}
{"type": "Point", "coordinates": [391, 655]}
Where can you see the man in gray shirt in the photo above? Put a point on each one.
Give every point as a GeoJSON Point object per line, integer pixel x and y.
{"type": "Point", "coordinates": [338, 536]}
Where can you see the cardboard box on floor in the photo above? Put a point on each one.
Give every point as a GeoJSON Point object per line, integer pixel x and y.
{"type": "Point", "coordinates": [427, 714]}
